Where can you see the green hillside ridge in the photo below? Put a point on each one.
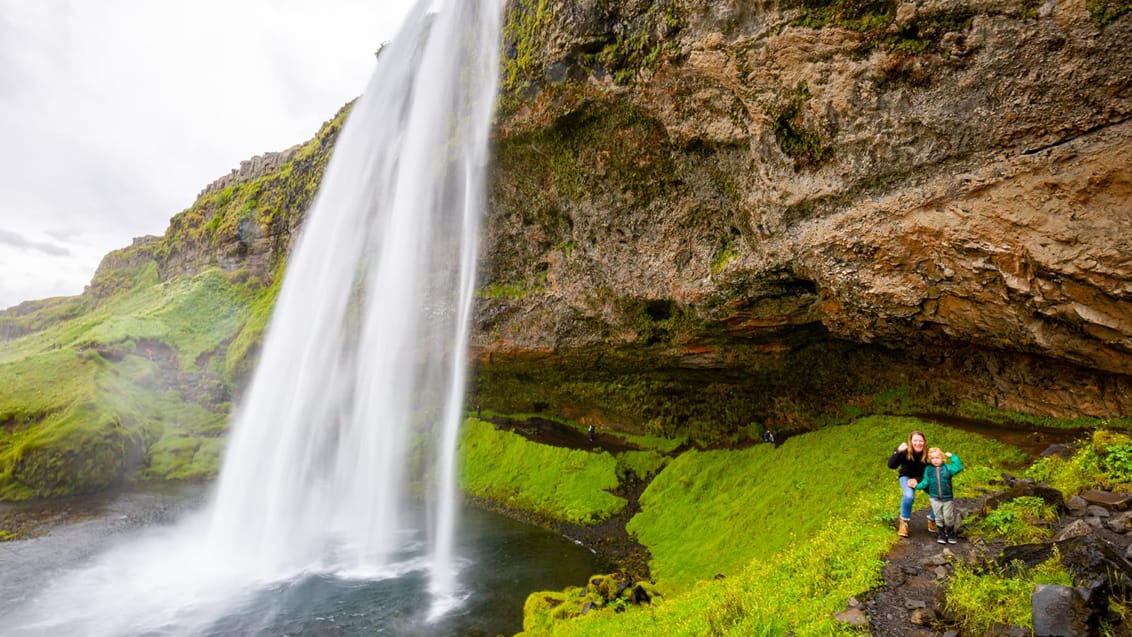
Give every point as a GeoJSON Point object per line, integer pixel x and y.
{"type": "Point", "coordinates": [92, 400]}
{"type": "Point", "coordinates": [133, 379]}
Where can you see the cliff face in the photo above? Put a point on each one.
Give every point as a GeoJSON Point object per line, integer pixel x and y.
{"type": "Point", "coordinates": [940, 192]}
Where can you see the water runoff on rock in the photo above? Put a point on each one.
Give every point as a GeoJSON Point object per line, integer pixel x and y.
{"type": "Point", "coordinates": [340, 462]}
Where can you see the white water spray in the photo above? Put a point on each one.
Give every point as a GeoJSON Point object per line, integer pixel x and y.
{"type": "Point", "coordinates": [362, 373]}
{"type": "Point", "coordinates": [358, 395]}
{"type": "Point", "coordinates": [366, 352]}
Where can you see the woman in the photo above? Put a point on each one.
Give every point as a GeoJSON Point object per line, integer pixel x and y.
{"type": "Point", "coordinates": [910, 459]}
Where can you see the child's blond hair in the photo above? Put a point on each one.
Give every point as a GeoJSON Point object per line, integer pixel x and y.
{"type": "Point", "coordinates": [933, 451]}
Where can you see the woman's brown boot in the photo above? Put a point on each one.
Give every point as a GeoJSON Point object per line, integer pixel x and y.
{"type": "Point", "coordinates": [902, 530]}
{"type": "Point", "coordinates": [932, 528]}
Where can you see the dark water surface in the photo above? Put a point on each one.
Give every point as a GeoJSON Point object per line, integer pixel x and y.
{"type": "Point", "coordinates": [502, 561]}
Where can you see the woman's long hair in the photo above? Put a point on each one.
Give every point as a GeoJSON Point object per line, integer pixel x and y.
{"type": "Point", "coordinates": [912, 452]}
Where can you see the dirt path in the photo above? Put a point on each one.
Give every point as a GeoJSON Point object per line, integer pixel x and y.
{"type": "Point", "coordinates": [915, 578]}
{"type": "Point", "coordinates": [556, 434]}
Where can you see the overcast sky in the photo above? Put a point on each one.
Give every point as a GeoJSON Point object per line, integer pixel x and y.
{"type": "Point", "coordinates": [114, 114]}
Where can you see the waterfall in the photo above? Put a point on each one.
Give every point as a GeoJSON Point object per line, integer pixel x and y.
{"type": "Point", "coordinates": [341, 456]}
{"type": "Point", "coordinates": [358, 394]}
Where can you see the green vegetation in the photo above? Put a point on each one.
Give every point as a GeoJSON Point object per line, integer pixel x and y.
{"type": "Point", "coordinates": [712, 512]}
{"type": "Point", "coordinates": [564, 484]}
{"type": "Point", "coordinates": [982, 411]}
{"type": "Point", "coordinates": [1105, 12]}
{"type": "Point", "coordinates": [1106, 463]}
{"type": "Point", "coordinates": [639, 42]}
{"type": "Point", "coordinates": [803, 142]}
{"type": "Point", "coordinates": [725, 255]}
{"type": "Point", "coordinates": [524, 24]}
{"type": "Point", "coordinates": [762, 517]}
{"type": "Point", "coordinates": [638, 47]}
{"type": "Point", "coordinates": [642, 464]}
{"type": "Point", "coordinates": [544, 610]}
{"type": "Point", "coordinates": [981, 599]}
{"type": "Point", "coordinates": [922, 34]}
{"type": "Point", "coordinates": [131, 379]}
{"type": "Point", "coordinates": [120, 409]}
{"type": "Point", "coordinates": [1022, 520]}
{"type": "Point", "coordinates": [857, 15]}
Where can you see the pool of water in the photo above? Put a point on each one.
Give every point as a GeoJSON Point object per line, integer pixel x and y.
{"type": "Point", "coordinates": [501, 562]}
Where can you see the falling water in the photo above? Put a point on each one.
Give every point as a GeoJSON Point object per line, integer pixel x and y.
{"type": "Point", "coordinates": [341, 458]}
{"type": "Point", "coordinates": [364, 361]}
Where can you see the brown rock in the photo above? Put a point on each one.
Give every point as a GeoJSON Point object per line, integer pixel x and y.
{"type": "Point", "coordinates": [1107, 499]}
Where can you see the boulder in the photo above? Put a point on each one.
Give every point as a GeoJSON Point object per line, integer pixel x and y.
{"type": "Point", "coordinates": [1107, 499]}
{"type": "Point", "coordinates": [1061, 611]}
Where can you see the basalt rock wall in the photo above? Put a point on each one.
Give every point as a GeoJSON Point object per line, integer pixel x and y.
{"type": "Point", "coordinates": [935, 194]}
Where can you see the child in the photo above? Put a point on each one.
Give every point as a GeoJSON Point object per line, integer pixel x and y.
{"type": "Point", "coordinates": [937, 482]}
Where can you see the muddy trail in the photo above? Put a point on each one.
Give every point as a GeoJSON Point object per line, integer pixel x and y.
{"type": "Point", "coordinates": [912, 602]}
{"type": "Point", "coordinates": [549, 432]}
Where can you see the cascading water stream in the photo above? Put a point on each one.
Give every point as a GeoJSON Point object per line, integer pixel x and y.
{"type": "Point", "coordinates": [341, 457]}
{"type": "Point", "coordinates": [365, 353]}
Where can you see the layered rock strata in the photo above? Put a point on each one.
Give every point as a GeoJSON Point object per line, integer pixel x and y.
{"type": "Point", "coordinates": [941, 188]}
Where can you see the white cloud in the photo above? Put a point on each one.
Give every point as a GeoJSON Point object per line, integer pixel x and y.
{"type": "Point", "coordinates": [116, 113]}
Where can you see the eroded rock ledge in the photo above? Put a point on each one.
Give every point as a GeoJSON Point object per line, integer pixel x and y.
{"type": "Point", "coordinates": [942, 196]}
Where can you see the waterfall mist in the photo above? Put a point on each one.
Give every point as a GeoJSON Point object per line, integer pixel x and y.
{"type": "Point", "coordinates": [341, 456]}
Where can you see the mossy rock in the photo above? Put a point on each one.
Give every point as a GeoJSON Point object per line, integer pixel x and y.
{"type": "Point", "coordinates": [84, 451]}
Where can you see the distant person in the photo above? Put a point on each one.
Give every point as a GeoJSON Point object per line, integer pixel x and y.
{"type": "Point", "coordinates": [937, 483]}
{"type": "Point", "coordinates": [910, 459]}
{"type": "Point", "coordinates": [768, 436]}
{"type": "Point", "coordinates": [591, 431]}
{"type": "Point", "coordinates": [477, 411]}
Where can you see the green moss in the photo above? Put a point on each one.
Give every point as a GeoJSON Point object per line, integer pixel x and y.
{"type": "Point", "coordinates": [525, 21]}
{"type": "Point", "coordinates": [714, 511]}
{"type": "Point", "coordinates": [179, 457]}
{"type": "Point", "coordinates": [727, 253]}
{"type": "Point", "coordinates": [637, 46]}
{"type": "Point", "coordinates": [85, 398]}
{"type": "Point", "coordinates": [804, 143]}
{"type": "Point", "coordinates": [983, 411]}
{"type": "Point", "coordinates": [1105, 12]}
{"type": "Point", "coordinates": [562, 484]}
{"type": "Point", "coordinates": [761, 518]}
{"type": "Point", "coordinates": [1021, 521]}
{"type": "Point", "coordinates": [239, 358]}
{"type": "Point", "coordinates": [84, 449]}
{"type": "Point", "coordinates": [505, 291]}
{"type": "Point", "coordinates": [857, 15]}
{"type": "Point", "coordinates": [642, 464]}
{"type": "Point", "coordinates": [923, 34]}
{"type": "Point", "coordinates": [33, 316]}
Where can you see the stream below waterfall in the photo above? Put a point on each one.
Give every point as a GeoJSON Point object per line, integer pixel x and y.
{"type": "Point", "coordinates": [501, 562]}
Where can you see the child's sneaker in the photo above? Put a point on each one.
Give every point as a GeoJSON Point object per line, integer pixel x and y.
{"type": "Point", "coordinates": [951, 539]}
{"type": "Point", "coordinates": [941, 536]}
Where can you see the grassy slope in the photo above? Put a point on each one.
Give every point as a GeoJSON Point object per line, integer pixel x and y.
{"type": "Point", "coordinates": [795, 530]}
{"type": "Point", "coordinates": [127, 379]}
{"type": "Point", "coordinates": [84, 404]}
{"type": "Point", "coordinates": [567, 484]}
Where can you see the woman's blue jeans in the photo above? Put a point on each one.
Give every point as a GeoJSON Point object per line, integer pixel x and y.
{"type": "Point", "coordinates": [908, 494]}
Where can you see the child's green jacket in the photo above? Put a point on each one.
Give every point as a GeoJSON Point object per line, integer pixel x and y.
{"type": "Point", "coordinates": [937, 480]}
